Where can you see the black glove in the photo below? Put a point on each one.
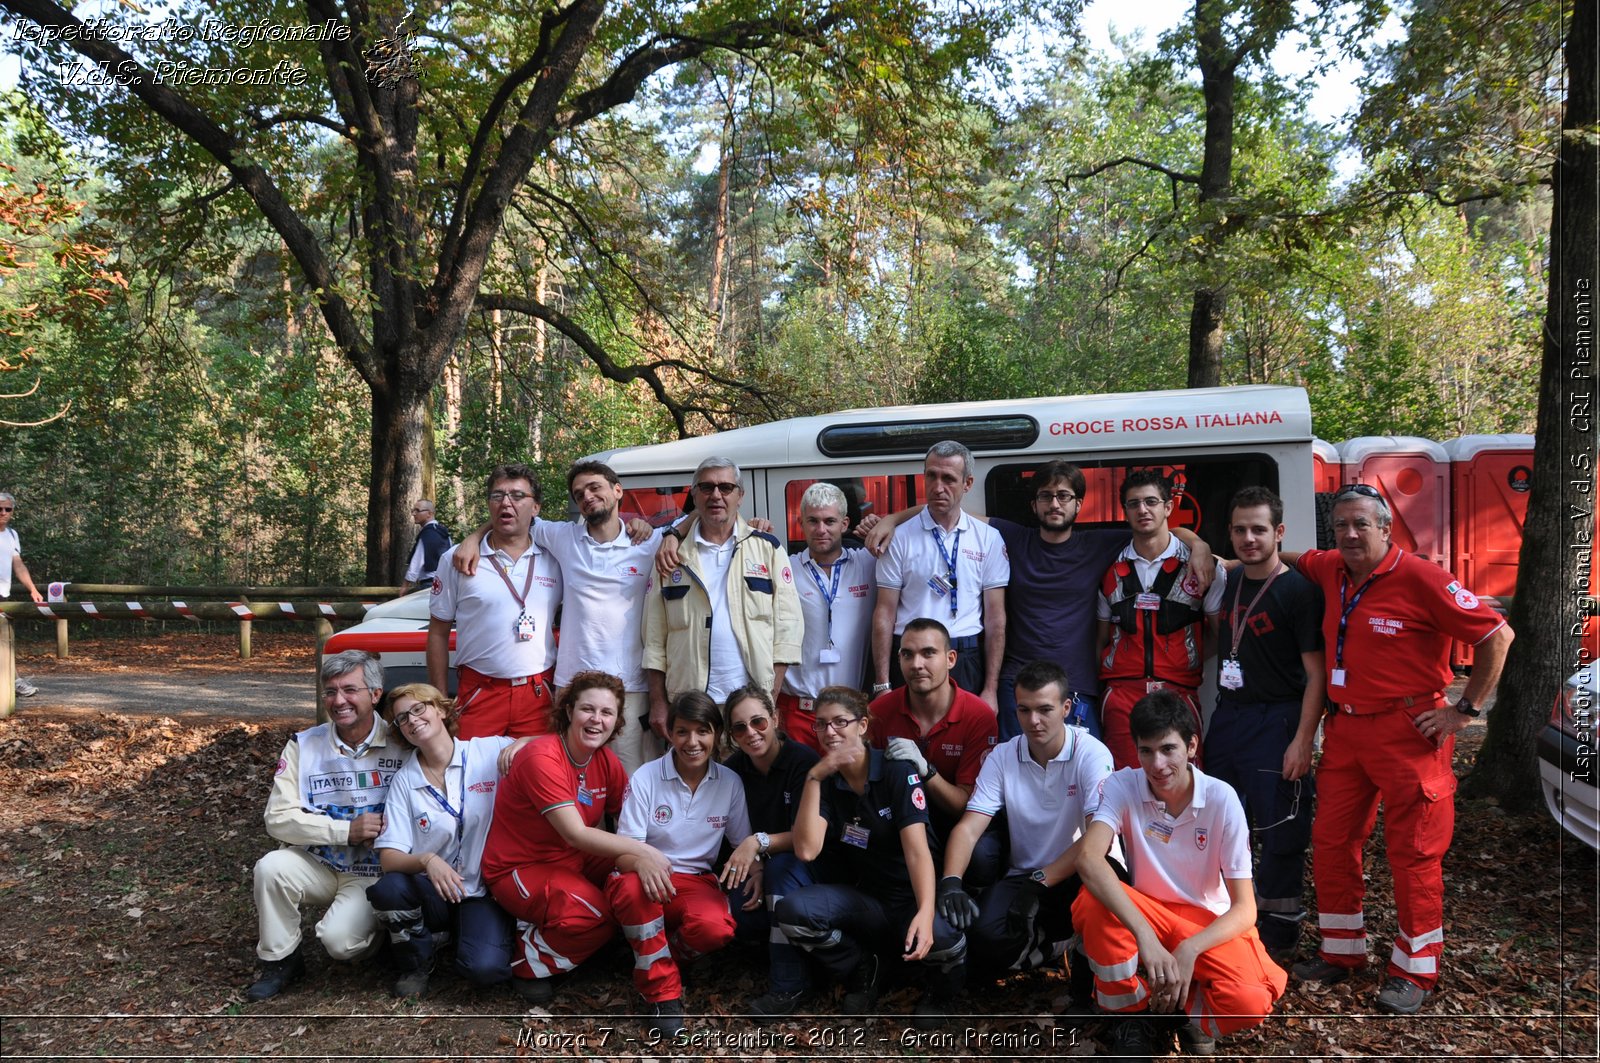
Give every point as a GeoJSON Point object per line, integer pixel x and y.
{"type": "Point", "coordinates": [1024, 910]}
{"type": "Point", "coordinates": [957, 907]}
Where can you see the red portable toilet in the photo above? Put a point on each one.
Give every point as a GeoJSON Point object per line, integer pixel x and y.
{"type": "Point", "coordinates": [1327, 471]}
{"type": "Point", "coordinates": [1414, 475]}
{"type": "Point", "coordinates": [1490, 477]}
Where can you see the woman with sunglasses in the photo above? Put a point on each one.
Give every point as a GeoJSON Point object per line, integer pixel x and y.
{"type": "Point", "coordinates": [684, 804]}
{"type": "Point", "coordinates": [436, 818]}
{"type": "Point", "coordinates": [869, 815]}
{"type": "Point", "coordinates": [549, 853]}
{"type": "Point", "coordinates": [773, 769]}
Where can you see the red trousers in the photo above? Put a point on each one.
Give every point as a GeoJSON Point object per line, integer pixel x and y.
{"type": "Point", "coordinates": [1234, 986]}
{"type": "Point", "coordinates": [798, 721]}
{"type": "Point", "coordinates": [1366, 759]}
{"type": "Point", "coordinates": [693, 923]}
{"type": "Point", "coordinates": [491, 706]}
{"type": "Point", "coordinates": [1116, 704]}
{"type": "Point", "coordinates": [563, 916]}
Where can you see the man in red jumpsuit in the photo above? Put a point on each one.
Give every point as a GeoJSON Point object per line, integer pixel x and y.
{"type": "Point", "coordinates": [1390, 736]}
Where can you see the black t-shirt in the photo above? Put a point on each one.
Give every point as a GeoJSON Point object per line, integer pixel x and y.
{"type": "Point", "coordinates": [894, 798]}
{"type": "Point", "coordinates": [772, 798]}
{"type": "Point", "coordinates": [1285, 623]}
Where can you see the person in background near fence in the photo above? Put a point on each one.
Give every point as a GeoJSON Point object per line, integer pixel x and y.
{"type": "Point", "coordinates": [503, 615]}
{"type": "Point", "coordinates": [433, 539]}
{"type": "Point", "coordinates": [1269, 701]}
{"type": "Point", "coordinates": [1390, 737]}
{"type": "Point", "coordinates": [326, 808]}
{"type": "Point", "coordinates": [435, 822]}
{"type": "Point", "coordinates": [11, 563]}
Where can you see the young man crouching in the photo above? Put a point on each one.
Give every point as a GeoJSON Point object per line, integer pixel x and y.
{"type": "Point", "coordinates": [1182, 938]}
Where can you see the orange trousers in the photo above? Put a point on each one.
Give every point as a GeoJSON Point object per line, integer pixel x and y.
{"type": "Point", "coordinates": [1234, 986]}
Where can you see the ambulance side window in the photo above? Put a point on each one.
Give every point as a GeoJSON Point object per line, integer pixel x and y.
{"type": "Point", "coordinates": [659, 506]}
{"type": "Point", "coordinates": [863, 495]}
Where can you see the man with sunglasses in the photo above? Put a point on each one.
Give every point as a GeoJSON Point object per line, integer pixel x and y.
{"type": "Point", "coordinates": [1270, 690]}
{"type": "Point", "coordinates": [1390, 736]}
{"type": "Point", "coordinates": [503, 615]}
{"type": "Point", "coordinates": [11, 564]}
{"type": "Point", "coordinates": [726, 615]}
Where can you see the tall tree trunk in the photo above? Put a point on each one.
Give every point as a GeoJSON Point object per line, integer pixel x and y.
{"type": "Point", "coordinates": [399, 419]}
{"type": "Point", "coordinates": [719, 226]}
{"type": "Point", "coordinates": [1217, 64]}
{"type": "Point", "coordinates": [1546, 612]}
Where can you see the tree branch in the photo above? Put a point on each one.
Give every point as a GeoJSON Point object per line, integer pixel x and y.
{"type": "Point", "coordinates": [267, 121]}
{"type": "Point", "coordinates": [1174, 177]}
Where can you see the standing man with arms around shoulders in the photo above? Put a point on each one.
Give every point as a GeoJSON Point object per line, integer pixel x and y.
{"type": "Point", "coordinates": [1388, 624]}
{"type": "Point", "coordinates": [433, 539]}
{"type": "Point", "coordinates": [945, 566]}
{"type": "Point", "coordinates": [1270, 694]}
{"type": "Point", "coordinates": [726, 615]}
{"type": "Point", "coordinates": [1152, 609]}
{"type": "Point", "coordinates": [11, 565]}
{"type": "Point", "coordinates": [503, 615]}
{"type": "Point", "coordinates": [326, 809]}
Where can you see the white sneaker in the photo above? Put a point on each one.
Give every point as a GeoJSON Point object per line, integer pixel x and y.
{"type": "Point", "coordinates": [25, 689]}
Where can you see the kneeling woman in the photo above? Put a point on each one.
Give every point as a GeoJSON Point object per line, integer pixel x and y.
{"type": "Point", "coordinates": [548, 855]}
{"type": "Point", "coordinates": [436, 818]}
{"type": "Point", "coordinates": [869, 814]}
{"type": "Point", "coordinates": [683, 804]}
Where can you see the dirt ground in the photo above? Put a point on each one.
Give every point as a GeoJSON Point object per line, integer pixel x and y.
{"type": "Point", "coordinates": [124, 898]}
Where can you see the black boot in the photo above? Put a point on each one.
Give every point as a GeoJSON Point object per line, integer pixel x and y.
{"type": "Point", "coordinates": [276, 976]}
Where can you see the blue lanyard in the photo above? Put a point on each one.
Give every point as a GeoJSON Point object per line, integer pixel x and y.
{"type": "Point", "coordinates": [1346, 609]}
{"type": "Point", "coordinates": [828, 594]}
{"type": "Point", "coordinates": [949, 560]}
{"type": "Point", "coordinates": [444, 802]}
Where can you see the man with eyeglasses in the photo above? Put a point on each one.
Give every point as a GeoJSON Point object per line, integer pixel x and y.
{"type": "Point", "coordinates": [433, 539]}
{"type": "Point", "coordinates": [11, 564]}
{"type": "Point", "coordinates": [503, 615]}
{"type": "Point", "coordinates": [326, 809]}
{"type": "Point", "coordinates": [948, 567]}
{"type": "Point", "coordinates": [726, 615]}
{"type": "Point", "coordinates": [1388, 625]}
{"type": "Point", "coordinates": [1270, 692]}
{"type": "Point", "coordinates": [1152, 607]}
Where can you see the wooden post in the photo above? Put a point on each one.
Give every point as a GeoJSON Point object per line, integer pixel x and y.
{"type": "Point", "coordinates": [244, 639]}
{"type": "Point", "coordinates": [324, 629]}
{"type": "Point", "coordinates": [8, 669]}
{"type": "Point", "coordinates": [62, 649]}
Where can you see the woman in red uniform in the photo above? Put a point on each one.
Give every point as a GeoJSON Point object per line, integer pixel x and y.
{"type": "Point", "coordinates": [548, 854]}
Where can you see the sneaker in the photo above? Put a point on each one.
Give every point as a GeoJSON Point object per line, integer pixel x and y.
{"type": "Point", "coordinates": [25, 689]}
{"type": "Point", "coordinates": [930, 1013]}
{"type": "Point", "coordinates": [1193, 1041]}
{"type": "Point", "coordinates": [1402, 996]}
{"type": "Point", "coordinates": [534, 991]}
{"type": "Point", "coordinates": [1131, 1039]}
{"type": "Point", "coordinates": [776, 1005]}
{"type": "Point", "coordinates": [276, 976]}
{"type": "Point", "coordinates": [861, 991]}
{"type": "Point", "coordinates": [411, 984]}
{"type": "Point", "coordinates": [1317, 969]}
{"type": "Point", "coordinates": [666, 1019]}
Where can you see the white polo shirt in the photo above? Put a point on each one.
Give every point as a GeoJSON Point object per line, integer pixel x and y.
{"type": "Point", "coordinates": [1148, 570]}
{"type": "Point", "coordinates": [1046, 805]}
{"type": "Point", "coordinates": [915, 558]}
{"type": "Point", "coordinates": [1183, 859]}
{"type": "Point", "coordinates": [420, 818]}
{"type": "Point", "coordinates": [847, 626]}
{"type": "Point", "coordinates": [10, 546]}
{"type": "Point", "coordinates": [485, 611]}
{"type": "Point", "coordinates": [727, 670]}
{"type": "Point", "coordinates": [602, 603]}
{"type": "Point", "coordinates": [659, 810]}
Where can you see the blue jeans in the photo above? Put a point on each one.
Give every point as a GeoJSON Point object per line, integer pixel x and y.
{"type": "Point", "coordinates": [412, 910]}
{"type": "Point", "coordinates": [1084, 711]}
{"type": "Point", "coordinates": [783, 875]}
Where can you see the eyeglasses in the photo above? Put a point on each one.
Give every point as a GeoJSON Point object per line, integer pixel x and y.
{"type": "Point", "coordinates": [329, 693]}
{"type": "Point", "coordinates": [707, 488]}
{"type": "Point", "coordinates": [758, 724]}
{"type": "Point", "coordinates": [1294, 804]}
{"type": "Point", "coordinates": [837, 724]}
{"type": "Point", "coordinates": [403, 718]}
{"type": "Point", "coordinates": [1364, 490]}
{"type": "Point", "coordinates": [1044, 498]}
{"type": "Point", "coordinates": [1154, 502]}
{"type": "Point", "coordinates": [497, 497]}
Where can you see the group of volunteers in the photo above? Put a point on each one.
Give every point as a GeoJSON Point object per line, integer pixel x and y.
{"type": "Point", "coordinates": [1021, 787]}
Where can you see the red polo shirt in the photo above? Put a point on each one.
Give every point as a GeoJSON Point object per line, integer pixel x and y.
{"type": "Point", "coordinates": [543, 778]}
{"type": "Point", "coordinates": [1397, 638]}
{"type": "Point", "coordinates": [955, 746]}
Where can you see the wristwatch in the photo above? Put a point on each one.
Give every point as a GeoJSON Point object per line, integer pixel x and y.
{"type": "Point", "coordinates": [1037, 875]}
{"type": "Point", "coordinates": [1467, 708]}
{"type": "Point", "coordinates": [880, 688]}
{"type": "Point", "coordinates": [763, 843]}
